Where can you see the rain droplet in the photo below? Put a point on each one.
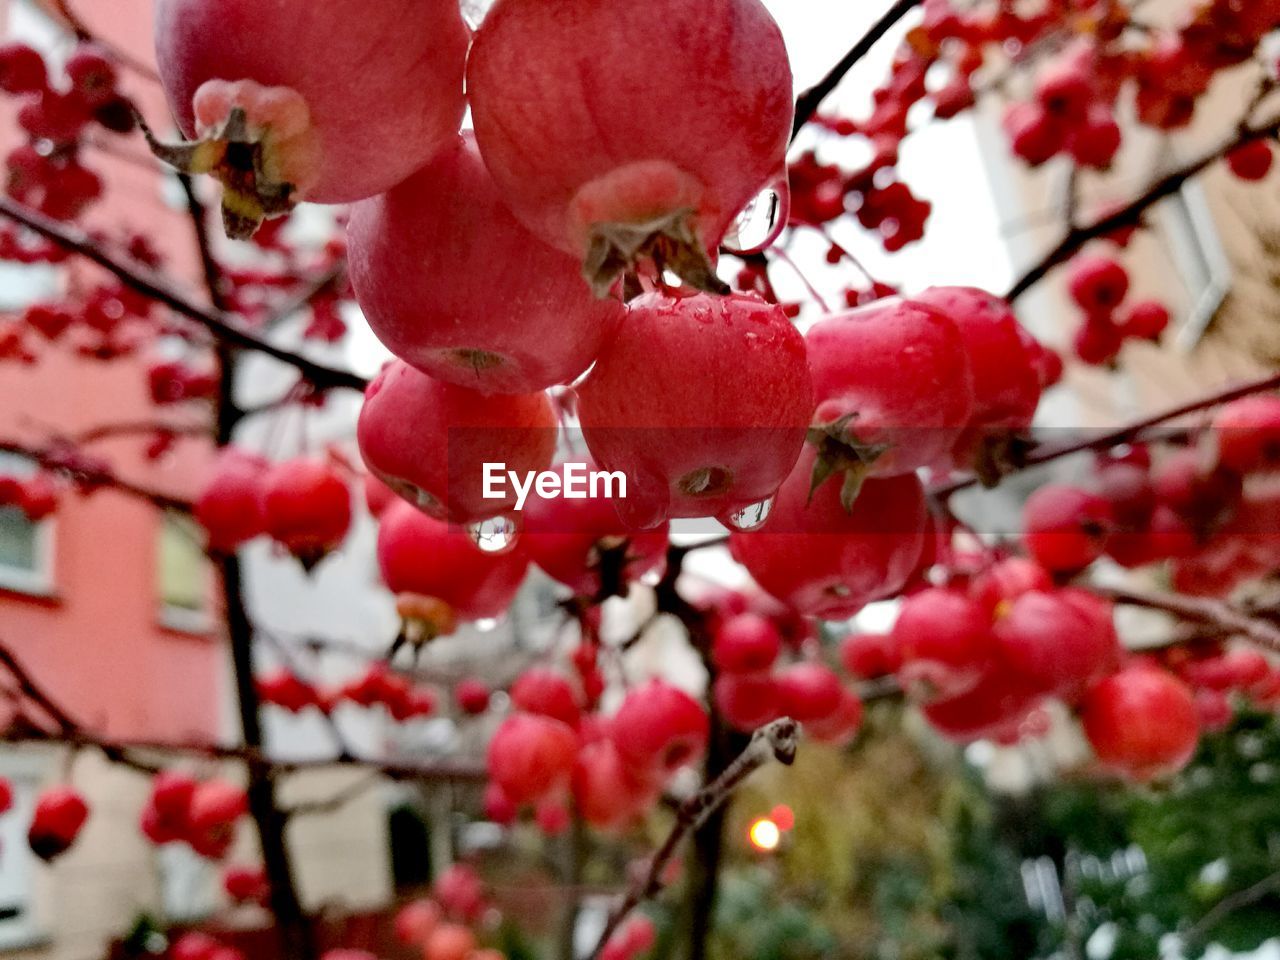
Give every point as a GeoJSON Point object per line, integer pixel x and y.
{"type": "Point", "coordinates": [487, 624]}
{"type": "Point", "coordinates": [474, 11]}
{"type": "Point", "coordinates": [760, 221]}
{"type": "Point", "coordinates": [751, 516]}
{"type": "Point", "coordinates": [495, 535]}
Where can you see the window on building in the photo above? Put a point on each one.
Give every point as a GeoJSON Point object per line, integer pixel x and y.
{"type": "Point", "coordinates": [18, 923]}
{"type": "Point", "coordinates": [26, 554]}
{"type": "Point", "coordinates": [188, 883]}
{"type": "Point", "coordinates": [182, 575]}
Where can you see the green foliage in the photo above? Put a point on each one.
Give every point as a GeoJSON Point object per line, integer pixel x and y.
{"type": "Point", "coordinates": [898, 855]}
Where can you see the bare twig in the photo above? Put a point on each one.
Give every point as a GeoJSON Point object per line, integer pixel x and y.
{"type": "Point", "coordinates": [91, 475]}
{"type": "Point", "coordinates": [1128, 433]}
{"type": "Point", "coordinates": [1230, 904]}
{"type": "Point", "coordinates": [1131, 214]}
{"type": "Point", "coordinates": [808, 102]}
{"type": "Point", "coordinates": [1214, 613]}
{"type": "Point", "coordinates": [777, 740]}
{"type": "Point", "coordinates": [226, 327]}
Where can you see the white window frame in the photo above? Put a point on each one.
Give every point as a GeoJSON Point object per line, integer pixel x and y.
{"type": "Point", "coordinates": [27, 773]}
{"type": "Point", "coordinates": [176, 618]}
{"type": "Point", "coordinates": [37, 581]}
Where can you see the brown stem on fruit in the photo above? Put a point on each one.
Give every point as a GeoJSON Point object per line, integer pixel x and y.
{"type": "Point", "coordinates": [777, 740]}
{"type": "Point", "coordinates": [1129, 433]}
{"type": "Point", "coordinates": [808, 102]}
{"type": "Point", "coordinates": [158, 287]}
{"type": "Point", "coordinates": [1213, 613]}
{"type": "Point", "coordinates": [670, 242]}
{"type": "Point", "coordinates": [1131, 214]}
{"type": "Point", "coordinates": [89, 475]}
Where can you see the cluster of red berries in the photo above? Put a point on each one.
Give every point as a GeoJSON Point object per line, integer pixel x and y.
{"type": "Point", "coordinates": [46, 173]}
{"type": "Point", "coordinates": [615, 767]}
{"type": "Point", "coordinates": [304, 504]}
{"type": "Point", "coordinates": [443, 925]}
{"type": "Point", "coordinates": [378, 685]}
{"type": "Point", "coordinates": [1098, 285]}
{"type": "Point", "coordinates": [35, 496]}
{"type": "Point", "coordinates": [201, 814]}
{"type": "Point", "coordinates": [748, 692]}
{"type": "Point", "coordinates": [1208, 507]}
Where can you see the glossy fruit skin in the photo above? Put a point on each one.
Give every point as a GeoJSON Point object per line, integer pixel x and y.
{"type": "Point", "coordinates": [517, 319]}
{"type": "Point", "coordinates": [306, 506]}
{"type": "Point", "coordinates": [829, 563]}
{"type": "Point", "coordinates": [1002, 583]}
{"type": "Point", "coordinates": [658, 729]}
{"type": "Point", "coordinates": [745, 643]}
{"type": "Point", "coordinates": [388, 76]}
{"type": "Point", "coordinates": [1247, 432]}
{"type": "Point", "coordinates": [230, 505]}
{"type": "Point", "coordinates": [605, 793]}
{"type": "Point", "coordinates": [808, 692]}
{"type": "Point", "coordinates": [1058, 640]}
{"type": "Point", "coordinates": [701, 401]}
{"type": "Point", "coordinates": [530, 756]}
{"type": "Point", "coordinates": [1004, 360]}
{"type": "Point", "coordinates": [747, 701]}
{"type": "Point", "coordinates": [573, 140]}
{"type": "Point", "coordinates": [421, 555]}
{"type": "Point", "coordinates": [995, 707]}
{"type": "Point", "coordinates": [543, 691]}
{"type": "Point", "coordinates": [1097, 284]}
{"type": "Point", "coordinates": [1064, 527]}
{"type": "Point", "coordinates": [472, 696]}
{"type": "Point", "coordinates": [566, 538]}
{"type": "Point", "coordinates": [429, 441]}
{"type": "Point", "coordinates": [60, 813]}
{"type": "Point", "coordinates": [867, 656]}
{"type": "Point", "coordinates": [1142, 722]}
{"type": "Point", "coordinates": [915, 405]}
{"type": "Point", "coordinates": [945, 642]}
{"type": "Point", "coordinates": [1251, 161]}
{"type": "Point", "coordinates": [841, 724]}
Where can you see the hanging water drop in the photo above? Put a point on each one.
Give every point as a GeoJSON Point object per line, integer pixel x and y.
{"type": "Point", "coordinates": [495, 535]}
{"type": "Point", "coordinates": [487, 624]}
{"type": "Point", "coordinates": [760, 221]}
{"type": "Point", "coordinates": [751, 516]}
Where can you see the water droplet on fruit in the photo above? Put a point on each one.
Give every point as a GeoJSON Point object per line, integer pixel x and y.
{"type": "Point", "coordinates": [487, 624]}
{"type": "Point", "coordinates": [474, 11]}
{"type": "Point", "coordinates": [760, 221]}
{"type": "Point", "coordinates": [752, 516]}
{"type": "Point", "coordinates": [495, 535]}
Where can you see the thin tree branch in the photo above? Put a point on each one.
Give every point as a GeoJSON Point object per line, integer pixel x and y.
{"type": "Point", "coordinates": [1128, 433]}
{"type": "Point", "coordinates": [1214, 613]}
{"type": "Point", "coordinates": [1131, 214]}
{"type": "Point", "coordinates": [90, 475]}
{"type": "Point", "coordinates": [150, 283]}
{"type": "Point", "coordinates": [777, 740]}
{"type": "Point", "coordinates": [808, 102]}
{"type": "Point", "coordinates": [1230, 904]}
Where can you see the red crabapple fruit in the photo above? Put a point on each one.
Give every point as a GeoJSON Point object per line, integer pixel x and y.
{"type": "Point", "coordinates": [829, 562]}
{"type": "Point", "coordinates": [747, 701]}
{"type": "Point", "coordinates": [1141, 721]}
{"type": "Point", "coordinates": [289, 102]}
{"type": "Point", "coordinates": [531, 756]}
{"type": "Point", "coordinates": [230, 505]}
{"type": "Point", "coordinates": [421, 557]}
{"type": "Point", "coordinates": [451, 283]}
{"type": "Point", "coordinates": [306, 507]}
{"type": "Point", "coordinates": [649, 146]}
{"type": "Point", "coordinates": [658, 729]}
{"type": "Point", "coordinates": [547, 693]}
{"type": "Point", "coordinates": [945, 642]}
{"type": "Point", "coordinates": [574, 539]}
{"type": "Point", "coordinates": [1065, 528]}
{"type": "Point", "coordinates": [1248, 434]}
{"type": "Point", "coordinates": [880, 419]}
{"type": "Point", "coordinates": [1058, 640]}
{"type": "Point", "coordinates": [430, 440]}
{"type": "Point", "coordinates": [808, 692]}
{"type": "Point", "coordinates": [701, 401]}
{"type": "Point", "coordinates": [745, 643]}
{"type": "Point", "coordinates": [59, 814]}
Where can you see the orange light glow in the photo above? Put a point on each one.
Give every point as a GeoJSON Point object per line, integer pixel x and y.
{"type": "Point", "coordinates": [764, 834]}
{"type": "Point", "coordinates": [783, 816]}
